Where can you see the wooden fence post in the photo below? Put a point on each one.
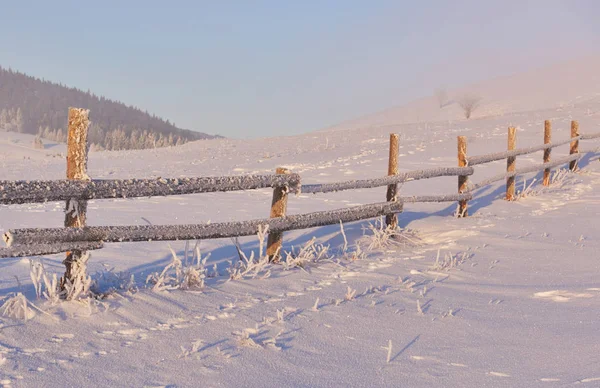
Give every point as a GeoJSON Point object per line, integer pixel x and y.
{"type": "Point", "coordinates": [574, 144]}
{"type": "Point", "coordinates": [391, 220]}
{"type": "Point", "coordinates": [462, 179]}
{"type": "Point", "coordinates": [547, 140]}
{"type": "Point", "coordinates": [511, 164]}
{"type": "Point", "coordinates": [278, 209]}
{"type": "Point", "coordinates": [75, 210]}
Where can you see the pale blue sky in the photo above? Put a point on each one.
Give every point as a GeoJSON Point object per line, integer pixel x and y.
{"type": "Point", "coordinates": [265, 68]}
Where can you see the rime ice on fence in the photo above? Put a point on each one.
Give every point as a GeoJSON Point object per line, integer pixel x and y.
{"type": "Point", "coordinates": [438, 198]}
{"type": "Point", "coordinates": [18, 192]}
{"type": "Point", "coordinates": [48, 249]}
{"type": "Point", "coordinates": [481, 159]}
{"type": "Point", "coordinates": [388, 180]}
{"type": "Point", "coordinates": [23, 237]}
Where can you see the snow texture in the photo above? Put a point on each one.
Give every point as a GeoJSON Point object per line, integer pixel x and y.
{"type": "Point", "coordinates": [47, 249]}
{"type": "Point", "coordinates": [481, 159]}
{"type": "Point", "coordinates": [23, 237]}
{"type": "Point", "coordinates": [388, 180]}
{"type": "Point", "coordinates": [19, 192]}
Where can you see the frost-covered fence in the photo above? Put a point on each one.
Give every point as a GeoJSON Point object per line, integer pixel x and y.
{"type": "Point", "coordinates": [510, 155]}
{"type": "Point", "coordinates": [462, 179]}
{"type": "Point", "coordinates": [278, 209]}
{"type": "Point", "coordinates": [392, 190]}
{"type": "Point", "coordinates": [76, 238]}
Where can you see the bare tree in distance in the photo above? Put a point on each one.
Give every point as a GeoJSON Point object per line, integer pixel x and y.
{"type": "Point", "coordinates": [442, 96]}
{"type": "Point", "coordinates": [469, 103]}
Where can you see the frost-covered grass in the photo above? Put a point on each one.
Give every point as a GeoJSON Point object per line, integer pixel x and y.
{"type": "Point", "coordinates": [449, 261]}
{"type": "Point", "coordinates": [186, 274]}
{"type": "Point", "coordinates": [48, 285]}
{"type": "Point", "coordinates": [17, 306]}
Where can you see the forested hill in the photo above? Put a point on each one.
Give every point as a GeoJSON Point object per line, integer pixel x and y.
{"type": "Point", "coordinates": [35, 106]}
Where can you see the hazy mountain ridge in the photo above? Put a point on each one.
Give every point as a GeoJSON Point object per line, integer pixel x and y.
{"type": "Point", "coordinates": [36, 106]}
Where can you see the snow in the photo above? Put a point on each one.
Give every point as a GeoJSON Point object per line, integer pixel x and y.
{"type": "Point", "coordinates": [506, 297]}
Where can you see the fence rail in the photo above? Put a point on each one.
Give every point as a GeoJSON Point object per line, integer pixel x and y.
{"type": "Point", "coordinates": [75, 237]}
{"type": "Point", "coordinates": [48, 249]}
{"type": "Point", "coordinates": [24, 237]}
{"type": "Point", "coordinates": [388, 180]}
{"type": "Point", "coordinates": [19, 192]}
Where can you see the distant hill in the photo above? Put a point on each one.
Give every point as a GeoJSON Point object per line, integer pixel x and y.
{"type": "Point", "coordinates": [39, 107]}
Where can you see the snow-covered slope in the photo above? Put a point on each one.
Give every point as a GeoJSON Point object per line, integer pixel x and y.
{"type": "Point", "coordinates": [575, 82]}
{"type": "Point", "coordinates": [511, 301]}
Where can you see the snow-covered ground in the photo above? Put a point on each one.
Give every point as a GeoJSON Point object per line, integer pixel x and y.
{"type": "Point", "coordinates": [512, 301]}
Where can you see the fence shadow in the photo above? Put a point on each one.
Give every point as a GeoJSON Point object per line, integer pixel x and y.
{"type": "Point", "coordinates": [223, 256]}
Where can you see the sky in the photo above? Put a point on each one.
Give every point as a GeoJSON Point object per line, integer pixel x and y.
{"type": "Point", "coordinates": [247, 69]}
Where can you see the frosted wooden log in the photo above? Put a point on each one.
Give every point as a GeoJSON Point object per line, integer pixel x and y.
{"type": "Point", "coordinates": [388, 180]}
{"type": "Point", "coordinates": [18, 192]}
{"type": "Point", "coordinates": [481, 159]}
{"type": "Point", "coordinates": [547, 140]}
{"type": "Point", "coordinates": [574, 144]}
{"type": "Point", "coordinates": [525, 170]}
{"type": "Point", "coordinates": [438, 198]}
{"type": "Point", "coordinates": [278, 209]}
{"type": "Point", "coordinates": [462, 179]}
{"type": "Point", "coordinates": [48, 249]}
{"type": "Point", "coordinates": [76, 209]}
{"type": "Point", "coordinates": [590, 136]}
{"type": "Point", "coordinates": [22, 237]}
{"type": "Point", "coordinates": [511, 164]}
{"type": "Point", "coordinates": [391, 220]}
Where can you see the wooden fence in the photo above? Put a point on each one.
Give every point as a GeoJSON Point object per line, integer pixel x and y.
{"type": "Point", "coordinates": [76, 238]}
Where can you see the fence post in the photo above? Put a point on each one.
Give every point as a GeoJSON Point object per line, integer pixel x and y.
{"type": "Point", "coordinates": [278, 209]}
{"type": "Point", "coordinates": [75, 210]}
{"type": "Point", "coordinates": [462, 179]}
{"type": "Point", "coordinates": [391, 220]}
{"type": "Point", "coordinates": [511, 164]}
{"type": "Point", "coordinates": [547, 140]}
{"type": "Point", "coordinates": [574, 144]}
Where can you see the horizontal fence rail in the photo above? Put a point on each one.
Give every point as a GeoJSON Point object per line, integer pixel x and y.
{"type": "Point", "coordinates": [487, 158]}
{"type": "Point", "coordinates": [19, 192]}
{"type": "Point", "coordinates": [24, 237]}
{"type": "Point", "coordinates": [590, 136]}
{"type": "Point", "coordinates": [437, 198]}
{"type": "Point", "coordinates": [49, 249]}
{"type": "Point", "coordinates": [388, 180]}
